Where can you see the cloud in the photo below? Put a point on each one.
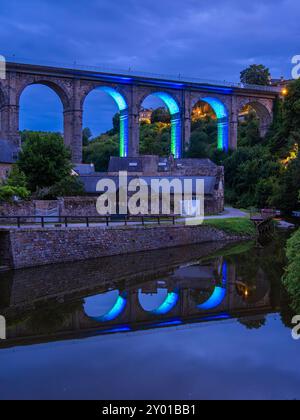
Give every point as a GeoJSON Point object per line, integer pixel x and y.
{"type": "Point", "coordinates": [212, 40]}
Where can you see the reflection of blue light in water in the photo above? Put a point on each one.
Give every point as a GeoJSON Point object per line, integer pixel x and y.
{"type": "Point", "coordinates": [218, 295]}
{"type": "Point", "coordinates": [117, 330]}
{"type": "Point", "coordinates": [113, 313]}
{"type": "Point", "coordinates": [216, 317]}
{"type": "Point", "coordinates": [167, 323]}
{"type": "Point", "coordinates": [168, 304]}
{"type": "Point", "coordinates": [215, 300]}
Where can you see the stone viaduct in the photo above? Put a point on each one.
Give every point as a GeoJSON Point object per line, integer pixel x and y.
{"type": "Point", "coordinates": [129, 92]}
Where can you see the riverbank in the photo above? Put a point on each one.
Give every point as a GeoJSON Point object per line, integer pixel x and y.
{"type": "Point", "coordinates": [31, 247]}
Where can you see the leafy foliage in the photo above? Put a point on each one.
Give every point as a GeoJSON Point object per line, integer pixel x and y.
{"type": "Point", "coordinates": [291, 278]}
{"type": "Point", "coordinates": [161, 115]}
{"type": "Point", "coordinates": [86, 135]}
{"type": "Point", "coordinates": [44, 159]}
{"type": "Point", "coordinates": [100, 150]}
{"type": "Point", "coordinates": [9, 193]}
{"type": "Point", "coordinates": [70, 186]}
{"type": "Point", "coordinates": [256, 75]}
{"type": "Point", "coordinates": [15, 187]}
{"type": "Point", "coordinates": [17, 178]}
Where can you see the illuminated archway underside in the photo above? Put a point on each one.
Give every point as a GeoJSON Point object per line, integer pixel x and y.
{"type": "Point", "coordinates": [123, 109]}
{"type": "Point", "coordinates": [223, 125]}
{"type": "Point", "coordinates": [218, 295]}
{"type": "Point", "coordinates": [175, 122]}
{"type": "Point", "coordinates": [115, 311]}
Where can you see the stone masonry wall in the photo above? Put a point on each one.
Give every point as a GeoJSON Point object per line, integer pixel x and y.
{"type": "Point", "coordinates": [5, 249]}
{"type": "Point", "coordinates": [35, 247]}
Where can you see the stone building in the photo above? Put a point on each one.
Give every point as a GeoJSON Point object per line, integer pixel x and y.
{"type": "Point", "coordinates": [145, 115]}
{"type": "Point", "coordinates": [151, 168]}
{"type": "Point", "coordinates": [8, 156]}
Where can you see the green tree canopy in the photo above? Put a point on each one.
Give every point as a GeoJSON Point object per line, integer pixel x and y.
{"type": "Point", "coordinates": [256, 74]}
{"type": "Point", "coordinates": [86, 136]}
{"type": "Point", "coordinates": [44, 159]}
{"type": "Point", "coordinates": [100, 150]}
{"type": "Point", "coordinates": [161, 115]}
{"type": "Point", "coordinates": [292, 276]}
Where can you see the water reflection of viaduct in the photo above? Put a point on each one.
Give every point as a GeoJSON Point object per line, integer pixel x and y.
{"type": "Point", "coordinates": [129, 92]}
{"type": "Point", "coordinates": [183, 288]}
{"type": "Point", "coordinates": [192, 293]}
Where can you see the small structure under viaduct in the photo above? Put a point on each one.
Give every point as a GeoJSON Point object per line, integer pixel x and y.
{"type": "Point", "coordinates": [129, 92]}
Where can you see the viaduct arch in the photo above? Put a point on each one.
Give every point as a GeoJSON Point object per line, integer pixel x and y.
{"type": "Point", "coordinates": [73, 86]}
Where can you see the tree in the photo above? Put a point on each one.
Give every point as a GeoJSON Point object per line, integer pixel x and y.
{"type": "Point", "coordinates": [288, 196]}
{"type": "Point", "coordinates": [292, 275]}
{"type": "Point", "coordinates": [15, 186]}
{"type": "Point", "coordinates": [256, 75]}
{"type": "Point", "coordinates": [71, 186]}
{"type": "Point", "coordinates": [161, 115]}
{"type": "Point", "coordinates": [198, 145]}
{"type": "Point", "coordinates": [17, 178]}
{"type": "Point", "coordinates": [116, 123]}
{"type": "Point", "coordinates": [250, 176]}
{"type": "Point", "coordinates": [86, 135]}
{"type": "Point", "coordinates": [291, 113]}
{"type": "Point", "coordinates": [248, 133]}
{"type": "Point", "coordinates": [100, 150]}
{"type": "Point", "coordinates": [155, 139]}
{"type": "Point", "coordinates": [44, 159]}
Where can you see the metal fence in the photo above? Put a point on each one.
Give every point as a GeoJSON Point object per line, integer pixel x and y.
{"type": "Point", "coordinates": [66, 221]}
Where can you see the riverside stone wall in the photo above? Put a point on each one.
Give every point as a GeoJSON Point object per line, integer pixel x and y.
{"type": "Point", "coordinates": [31, 247]}
{"type": "Point", "coordinates": [5, 249]}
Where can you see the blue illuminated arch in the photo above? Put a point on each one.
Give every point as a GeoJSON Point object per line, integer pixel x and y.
{"type": "Point", "coordinates": [169, 303]}
{"type": "Point", "coordinates": [123, 109]}
{"type": "Point", "coordinates": [223, 124]}
{"type": "Point", "coordinates": [218, 295]}
{"type": "Point", "coordinates": [115, 311]}
{"type": "Point", "coordinates": [172, 105]}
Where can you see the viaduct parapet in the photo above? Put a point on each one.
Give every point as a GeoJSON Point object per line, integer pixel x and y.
{"type": "Point", "coordinates": [129, 92]}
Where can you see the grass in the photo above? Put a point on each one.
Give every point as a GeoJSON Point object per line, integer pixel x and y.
{"type": "Point", "coordinates": [239, 226]}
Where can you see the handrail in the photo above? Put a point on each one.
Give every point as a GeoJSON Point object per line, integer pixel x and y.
{"type": "Point", "coordinates": [130, 72]}
{"type": "Point", "coordinates": [87, 221]}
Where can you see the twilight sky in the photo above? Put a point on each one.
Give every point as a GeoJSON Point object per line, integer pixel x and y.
{"type": "Point", "coordinates": [194, 37]}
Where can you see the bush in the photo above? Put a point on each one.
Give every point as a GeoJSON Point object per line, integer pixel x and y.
{"type": "Point", "coordinates": [17, 178]}
{"type": "Point", "coordinates": [100, 150]}
{"type": "Point", "coordinates": [71, 186]}
{"type": "Point", "coordinates": [10, 193]}
{"type": "Point", "coordinates": [291, 278]}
